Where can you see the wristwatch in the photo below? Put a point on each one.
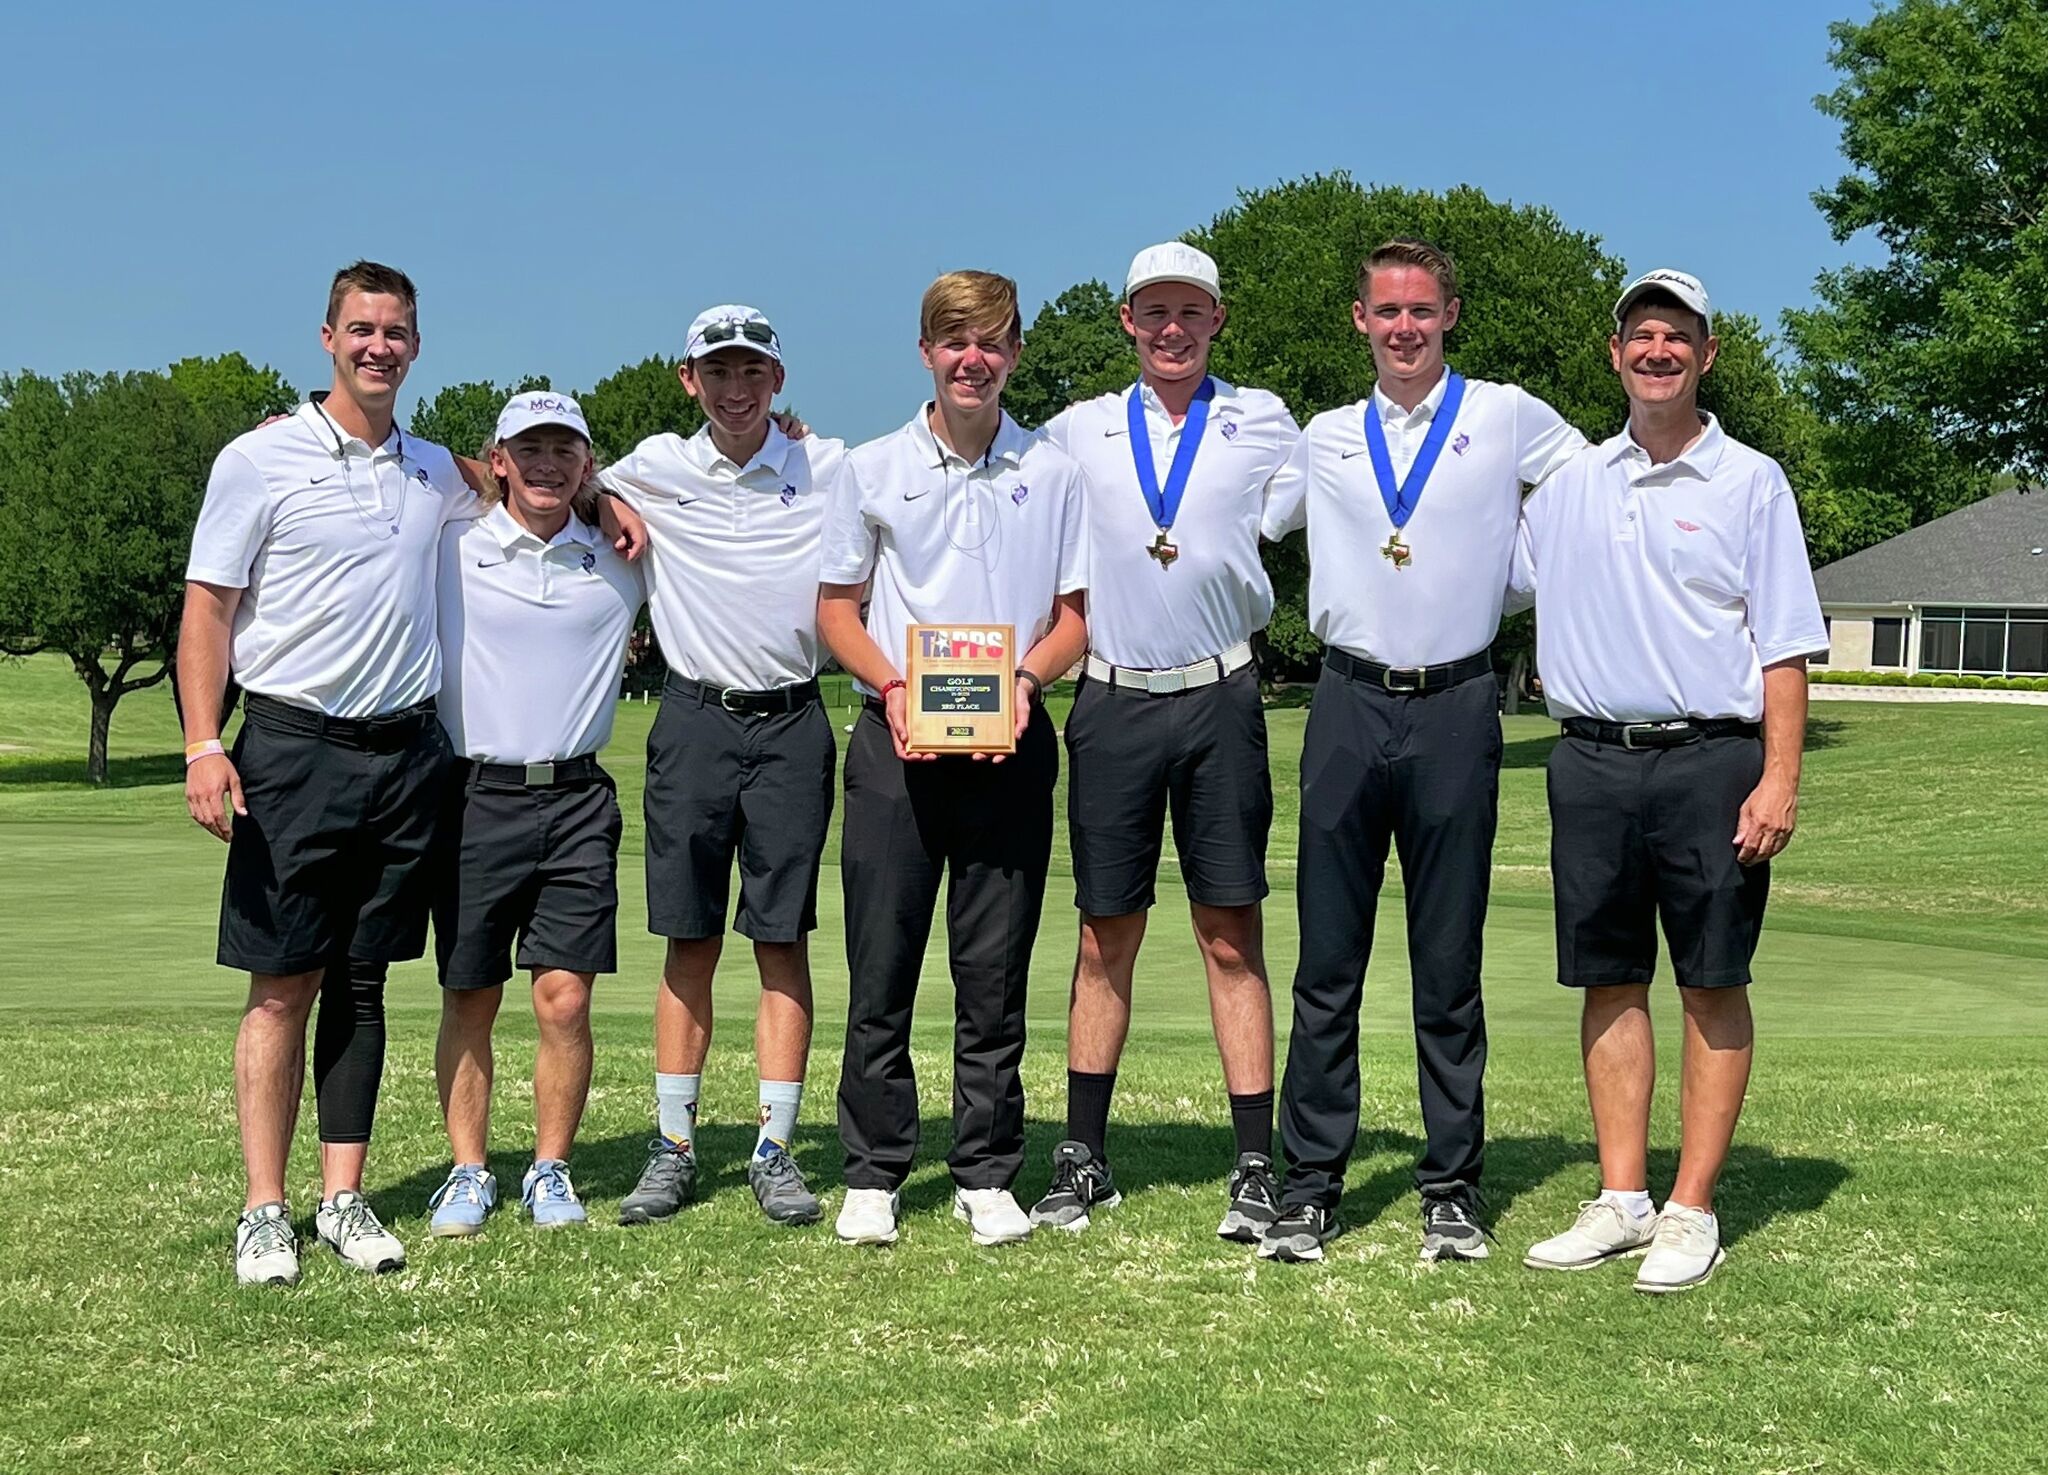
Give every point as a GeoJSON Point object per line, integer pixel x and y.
{"type": "Point", "coordinates": [1037, 686]}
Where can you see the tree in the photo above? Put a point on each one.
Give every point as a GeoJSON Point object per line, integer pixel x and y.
{"type": "Point", "coordinates": [464, 417]}
{"type": "Point", "coordinates": [1076, 349]}
{"type": "Point", "coordinates": [1942, 346]}
{"type": "Point", "coordinates": [640, 400]}
{"type": "Point", "coordinates": [100, 481]}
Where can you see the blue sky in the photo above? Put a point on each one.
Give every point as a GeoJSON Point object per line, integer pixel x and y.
{"type": "Point", "coordinates": [569, 184]}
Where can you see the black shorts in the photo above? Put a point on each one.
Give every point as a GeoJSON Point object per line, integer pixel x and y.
{"type": "Point", "coordinates": [1648, 834]}
{"type": "Point", "coordinates": [1132, 757]}
{"type": "Point", "coordinates": [332, 859]}
{"type": "Point", "coordinates": [722, 784]}
{"type": "Point", "coordinates": [536, 866]}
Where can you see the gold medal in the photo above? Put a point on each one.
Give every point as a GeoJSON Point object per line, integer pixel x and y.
{"type": "Point", "coordinates": [1395, 551]}
{"type": "Point", "coordinates": [1162, 550]}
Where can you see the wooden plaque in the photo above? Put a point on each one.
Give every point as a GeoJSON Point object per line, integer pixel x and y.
{"type": "Point", "coordinates": [962, 688]}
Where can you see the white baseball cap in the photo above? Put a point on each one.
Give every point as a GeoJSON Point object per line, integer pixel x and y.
{"type": "Point", "coordinates": [732, 325]}
{"type": "Point", "coordinates": [1173, 261]}
{"type": "Point", "coordinates": [1682, 285]}
{"type": "Point", "coordinates": [536, 407]}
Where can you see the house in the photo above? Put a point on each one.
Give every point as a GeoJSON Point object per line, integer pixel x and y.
{"type": "Point", "coordinates": [1966, 593]}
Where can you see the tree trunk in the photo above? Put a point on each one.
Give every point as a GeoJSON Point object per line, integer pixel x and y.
{"type": "Point", "coordinates": [102, 719]}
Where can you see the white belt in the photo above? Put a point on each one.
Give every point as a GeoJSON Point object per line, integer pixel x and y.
{"type": "Point", "coordinates": [1172, 678]}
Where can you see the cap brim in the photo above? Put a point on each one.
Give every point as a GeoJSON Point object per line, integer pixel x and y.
{"type": "Point", "coordinates": [543, 422]}
{"type": "Point", "coordinates": [1134, 288]}
{"type": "Point", "coordinates": [748, 345]}
{"type": "Point", "coordinates": [1643, 289]}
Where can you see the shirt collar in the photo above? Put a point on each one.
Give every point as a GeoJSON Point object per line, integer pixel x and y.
{"type": "Point", "coordinates": [511, 535]}
{"type": "Point", "coordinates": [1700, 458]}
{"type": "Point", "coordinates": [1008, 446]}
{"type": "Point", "coordinates": [1149, 397]}
{"type": "Point", "coordinates": [704, 452]}
{"type": "Point", "coordinates": [327, 430]}
{"type": "Point", "coordinates": [1391, 413]}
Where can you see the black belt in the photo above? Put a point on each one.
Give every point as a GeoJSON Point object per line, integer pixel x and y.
{"type": "Point", "coordinates": [1676, 733]}
{"type": "Point", "coordinates": [387, 732]}
{"type": "Point", "coordinates": [562, 773]}
{"type": "Point", "coordinates": [743, 703]}
{"type": "Point", "coordinates": [1408, 679]}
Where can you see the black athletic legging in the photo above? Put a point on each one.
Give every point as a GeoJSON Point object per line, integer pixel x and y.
{"type": "Point", "coordinates": [348, 1050]}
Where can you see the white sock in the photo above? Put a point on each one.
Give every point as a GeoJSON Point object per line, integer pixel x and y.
{"type": "Point", "coordinates": [1634, 1202]}
{"type": "Point", "coordinates": [1712, 1223]}
{"type": "Point", "coordinates": [675, 1100]}
{"type": "Point", "coordinates": [780, 1101]}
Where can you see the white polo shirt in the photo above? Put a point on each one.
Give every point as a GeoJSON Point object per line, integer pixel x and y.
{"type": "Point", "coordinates": [1663, 591]}
{"type": "Point", "coordinates": [1446, 603]}
{"type": "Point", "coordinates": [732, 558]}
{"type": "Point", "coordinates": [1215, 593]}
{"type": "Point", "coordinates": [332, 543]}
{"type": "Point", "coordinates": [533, 638]}
{"type": "Point", "coordinates": [940, 540]}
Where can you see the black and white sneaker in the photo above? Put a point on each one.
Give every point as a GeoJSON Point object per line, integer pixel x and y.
{"type": "Point", "coordinates": [1254, 1200]}
{"type": "Point", "coordinates": [1081, 1182]}
{"type": "Point", "coordinates": [1299, 1234]}
{"type": "Point", "coordinates": [1450, 1225]}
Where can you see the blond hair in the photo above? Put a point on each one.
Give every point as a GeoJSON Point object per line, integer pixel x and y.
{"type": "Point", "coordinates": [980, 300]}
{"type": "Point", "coordinates": [1408, 251]}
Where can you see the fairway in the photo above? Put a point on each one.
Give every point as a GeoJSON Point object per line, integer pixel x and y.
{"type": "Point", "coordinates": [1881, 1308]}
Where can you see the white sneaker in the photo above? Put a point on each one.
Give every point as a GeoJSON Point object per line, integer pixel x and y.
{"type": "Point", "coordinates": [347, 1225]}
{"type": "Point", "coordinates": [1687, 1248]}
{"type": "Point", "coordinates": [868, 1217]}
{"type": "Point", "coordinates": [992, 1215]}
{"type": "Point", "coordinates": [1604, 1231]}
{"type": "Point", "coordinates": [266, 1250]}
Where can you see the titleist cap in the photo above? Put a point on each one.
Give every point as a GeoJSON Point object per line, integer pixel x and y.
{"type": "Point", "coordinates": [1682, 285]}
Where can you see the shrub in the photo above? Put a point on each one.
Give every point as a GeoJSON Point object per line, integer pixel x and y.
{"type": "Point", "coordinates": [1947, 680]}
{"type": "Point", "coordinates": [1997, 683]}
{"type": "Point", "coordinates": [2041, 683]}
{"type": "Point", "coordinates": [1973, 683]}
{"type": "Point", "coordinates": [1920, 678]}
{"type": "Point", "coordinates": [1890, 678]}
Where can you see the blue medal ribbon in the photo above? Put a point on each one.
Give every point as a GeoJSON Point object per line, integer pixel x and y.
{"type": "Point", "coordinates": [1401, 498]}
{"type": "Point", "coordinates": [1165, 505]}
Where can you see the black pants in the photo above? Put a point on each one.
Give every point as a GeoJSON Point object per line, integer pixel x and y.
{"type": "Point", "coordinates": [987, 828]}
{"type": "Point", "coordinates": [1421, 770]}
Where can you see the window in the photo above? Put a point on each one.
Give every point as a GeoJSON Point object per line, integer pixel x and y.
{"type": "Point", "coordinates": [1887, 643]}
{"type": "Point", "coordinates": [1986, 642]}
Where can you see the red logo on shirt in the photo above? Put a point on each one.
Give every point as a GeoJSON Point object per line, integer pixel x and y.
{"type": "Point", "coordinates": [1686, 527]}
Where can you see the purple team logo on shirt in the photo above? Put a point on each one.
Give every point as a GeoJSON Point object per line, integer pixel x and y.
{"type": "Point", "coordinates": [589, 560]}
{"type": "Point", "coordinates": [1461, 444]}
{"type": "Point", "coordinates": [1020, 494]}
{"type": "Point", "coordinates": [788, 494]}
{"type": "Point", "coordinates": [1229, 429]}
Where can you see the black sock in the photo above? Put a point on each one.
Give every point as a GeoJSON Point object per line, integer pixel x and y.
{"type": "Point", "coordinates": [1251, 1118]}
{"type": "Point", "coordinates": [348, 1050]}
{"type": "Point", "coordinates": [1088, 1094]}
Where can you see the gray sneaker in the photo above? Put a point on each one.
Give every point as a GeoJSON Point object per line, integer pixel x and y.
{"type": "Point", "coordinates": [266, 1250]}
{"type": "Point", "coordinates": [348, 1226]}
{"type": "Point", "coordinates": [1254, 1200]}
{"type": "Point", "coordinates": [1450, 1225]}
{"type": "Point", "coordinates": [668, 1182]}
{"type": "Point", "coordinates": [780, 1190]}
{"type": "Point", "coordinates": [1299, 1234]}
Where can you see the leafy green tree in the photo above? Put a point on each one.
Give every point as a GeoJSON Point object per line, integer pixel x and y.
{"type": "Point", "coordinates": [100, 481]}
{"type": "Point", "coordinates": [1075, 349]}
{"type": "Point", "coordinates": [463, 417]}
{"type": "Point", "coordinates": [1944, 113]}
{"type": "Point", "coordinates": [640, 400]}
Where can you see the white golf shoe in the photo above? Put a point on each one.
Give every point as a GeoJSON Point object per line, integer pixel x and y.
{"type": "Point", "coordinates": [1604, 1231]}
{"type": "Point", "coordinates": [1686, 1251]}
{"type": "Point", "coordinates": [868, 1217]}
{"type": "Point", "coordinates": [992, 1215]}
{"type": "Point", "coordinates": [349, 1227]}
{"type": "Point", "coordinates": [266, 1250]}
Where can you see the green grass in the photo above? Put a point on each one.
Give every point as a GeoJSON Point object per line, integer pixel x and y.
{"type": "Point", "coordinates": [1881, 1309]}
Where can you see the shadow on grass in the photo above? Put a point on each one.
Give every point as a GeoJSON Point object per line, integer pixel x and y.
{"type": "Point", "coordinates": [1757, 1186]}
{"type": "Point", "coordinates": [69, 773]}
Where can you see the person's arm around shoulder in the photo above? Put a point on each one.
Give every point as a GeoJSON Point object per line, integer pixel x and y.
{"type": "Point", "coordinates": [1544, 439]}
{"type": "Point", "coordinates": [1286, 493]}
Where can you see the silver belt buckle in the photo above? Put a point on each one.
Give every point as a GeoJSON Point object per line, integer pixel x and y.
{"type": "Point", "coordinates": [725, 699]}
{"type": "Point", "coordinates": [539, 775]}
{"type": "Point", "coordinates": [1421, 678]}
{"type": "Point", "coordinates": [1166, 683]}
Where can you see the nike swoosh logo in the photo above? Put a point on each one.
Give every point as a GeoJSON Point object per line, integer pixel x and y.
{"type": "Point", "coordinates": [685, 501]}
{"type": "Point", "coordinates": [913, 496]}
{"type": "Point", "coordinates": [486, 563]}
{"type": "Point", "coordinates": [318, 479]}
{"type": "Point", "coordinates": [1112, 434]}
{"type": "Point", "coordinates": [1349, 454]}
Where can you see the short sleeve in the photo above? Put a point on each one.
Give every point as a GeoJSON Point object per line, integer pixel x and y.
{"type": "Point", "coordinates": [234, 519]}
{"type": "Point", "coordinates": [1073, 565]}
{"type": "Point", "coordinates": [1059, 429]}
{"type": "Point", "coordinates": [459, 500]}
{"type": "Point", "coordinates": [1287, 492]}
{"type": "Point", "coordinates": [1784, 609]}
{"type": "Point", "coordinates": [849, 536]}
{"type": "Point", "coordinates": [1544, 439]}
{"type": "Point", "coordinates": [637, 478]}
{"type": "Point", "coordinates": [1521, 590]}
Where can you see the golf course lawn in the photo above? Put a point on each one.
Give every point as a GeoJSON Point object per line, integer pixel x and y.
{"type": "Point", "coordinates": [1884, 1306]}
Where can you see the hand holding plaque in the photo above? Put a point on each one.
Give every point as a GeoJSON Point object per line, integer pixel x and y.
{"type": "Point", "coordinates": [961, 690]}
